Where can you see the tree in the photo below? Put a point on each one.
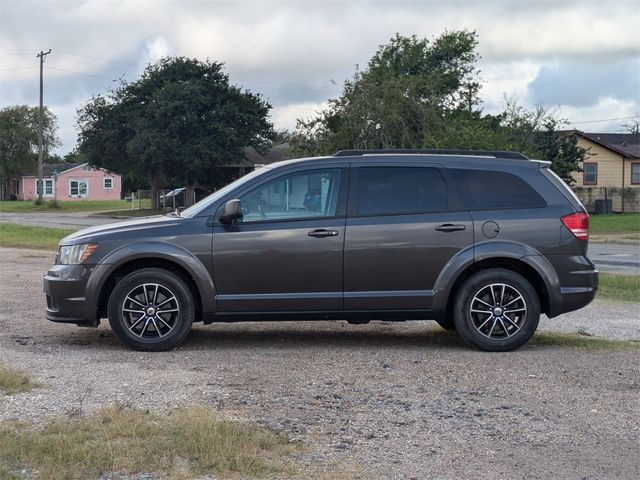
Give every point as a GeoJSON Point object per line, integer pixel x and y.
{"type": "Point", "coordinates": [19, 139]}
{"type": "Point", "coordinates": [633, 126]}
{"type": "Point", "coordinates": [174, 124]}
{"type": "Point", "coordinates": [404, 98]}
{"type": "Point", "coordinates": [416, 93]}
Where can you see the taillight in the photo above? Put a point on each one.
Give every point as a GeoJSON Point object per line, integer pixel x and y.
{"type": "Point", "coordinates": [578, 224]}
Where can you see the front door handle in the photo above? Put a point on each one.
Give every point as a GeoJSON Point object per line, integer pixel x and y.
{"type": "Point", "coordinates": [321, 233]}
{"type": "Point", "coordinates": [450, 227]}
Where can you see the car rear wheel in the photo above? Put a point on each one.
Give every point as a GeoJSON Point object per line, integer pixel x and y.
{"type": "Point", "coordinates": [151, 310]}
{"type": "Point", "coordinates": [497, 310]}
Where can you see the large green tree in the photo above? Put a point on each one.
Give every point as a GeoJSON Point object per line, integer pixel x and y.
{"type": "Point", "coordinates": [402, 99]}
{"type": "Point", "coordinates": [174, 124]}
{"type": "Point", "coordinates": [420, 93]}
{"type": "Point", "coordinates": [19, 139]}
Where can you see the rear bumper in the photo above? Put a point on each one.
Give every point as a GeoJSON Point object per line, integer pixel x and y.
{"type": "Point", "coordinates": [64, 288]}
{"type": "Point", "coordinates": [578, 286]}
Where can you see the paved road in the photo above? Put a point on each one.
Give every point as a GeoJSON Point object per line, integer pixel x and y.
{"type": "Point", "coordinates": [608, 257]}
{"type": "Point", "coordinates": [76, 220]}
{"type": "Point", "coordinates": [616, 258]}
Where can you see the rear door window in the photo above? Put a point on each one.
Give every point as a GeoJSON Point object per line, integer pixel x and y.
{"type": "Point", "coordinates": [399, 190]}
{"type": "Point", "coordinates": [493, 190]}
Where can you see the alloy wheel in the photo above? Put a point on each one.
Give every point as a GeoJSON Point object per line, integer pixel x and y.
{"type": "Point", "coordinates": [150, 311]}
{"type": "Point", "coordinates": [498, 311]}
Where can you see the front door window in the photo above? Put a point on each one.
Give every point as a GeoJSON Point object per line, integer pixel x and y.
{"type": "Point", "coordinates": [310, 194]}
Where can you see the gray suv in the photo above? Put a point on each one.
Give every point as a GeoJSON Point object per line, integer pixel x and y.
{"type": "Point", "coordinates": [481, 242]}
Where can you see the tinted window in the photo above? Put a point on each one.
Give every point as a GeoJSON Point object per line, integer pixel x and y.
{"type": "Point", "coordinates": [398, 190]}
{"type": "Point", "coordinates": [306, 194]}
{"type": "Point", "coordinates": [484, 189]}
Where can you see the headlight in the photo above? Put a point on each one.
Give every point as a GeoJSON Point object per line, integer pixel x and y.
{"type": "Point", "coordinates": [75, 254]}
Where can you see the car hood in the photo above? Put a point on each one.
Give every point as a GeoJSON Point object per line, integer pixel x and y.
{"type": "Point", "coordinates": [91, 234]}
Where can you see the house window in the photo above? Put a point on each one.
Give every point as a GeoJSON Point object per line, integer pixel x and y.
{"type": "Point", "coordinates": [48, 187]}
{"type": "Point", "coordinates": [107, 182]}
{"type": "Point", "coordinates": [590, 174]}
{"type": "Point", "coordinates": [78, 188]}
{"type": "Point", "coordinates": [635, 174]}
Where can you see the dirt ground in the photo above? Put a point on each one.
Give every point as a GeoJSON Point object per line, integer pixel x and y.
{"type": "Point", "coordinates": [383, 400]}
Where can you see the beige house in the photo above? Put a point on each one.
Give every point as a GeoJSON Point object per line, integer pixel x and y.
{"type": "Point", "coordinates": [614, 163]}
{"type": "Point", "coordinates": [614, 160]}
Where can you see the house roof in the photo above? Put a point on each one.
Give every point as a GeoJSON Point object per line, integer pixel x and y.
{"type": "Point", "coordinates": [59, 168]}
{"type": "Point", "coordinates": [49, 168]}
{"type": "Point", "coordinates": [625, 144]}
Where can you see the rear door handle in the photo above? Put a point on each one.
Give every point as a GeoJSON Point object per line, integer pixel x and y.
{"type": "Point", "coordinates": [321, 232]}
{"type": "Point", "coordinates": [450, 227]}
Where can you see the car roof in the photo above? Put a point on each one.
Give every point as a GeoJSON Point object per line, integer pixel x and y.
{"type": "Point", "coordinates": [452, 158]}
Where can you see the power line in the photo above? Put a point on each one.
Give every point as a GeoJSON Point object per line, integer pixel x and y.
{"type": "Point", "coordinates": [17, 68]}
{"type": "Point", "coordinates": [80, 73]}
{"type": "Point", "coordinates": [98, 58]}
{"type": "Point", "coordinates": [606, 119]}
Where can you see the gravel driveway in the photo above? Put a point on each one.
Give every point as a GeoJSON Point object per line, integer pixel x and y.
{"type": "Point", "coordinates": [384, 400]}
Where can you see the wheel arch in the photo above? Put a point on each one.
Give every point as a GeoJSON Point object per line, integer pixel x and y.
{"type": "Point", "coordinates": [152, 254]}
{"type": "Point", "coordinates": [513, 256]}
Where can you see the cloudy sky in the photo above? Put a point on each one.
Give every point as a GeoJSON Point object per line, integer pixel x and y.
{"type": "Point", "coordinates": [582, 57]}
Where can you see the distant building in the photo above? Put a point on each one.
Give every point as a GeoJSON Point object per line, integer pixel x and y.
{"type": "Point", "coordinates": [614, 160]}
{"type": "Point", "coordinates": [613, 164]}
{"type": "Point", "coordinates": [68, 181]}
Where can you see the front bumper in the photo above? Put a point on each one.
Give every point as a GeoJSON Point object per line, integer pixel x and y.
{"type": "Point", "coordinates": [64, 287]}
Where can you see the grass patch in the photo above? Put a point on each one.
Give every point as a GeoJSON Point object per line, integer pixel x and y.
{"type": "Point", "coordinates": [13, 380]}
{"type": "Point", "coordinates": [26, 236]}
{"type": "Point", "coordinates": [69, 206]}
{"type": "Point", "coordinates": [187, 443]}
{"type": "Point", "coordinates": [557, 339]}
{"type": "Point", "coordinates": [614, 224]}
{"type": "Point", "coordinates": [619, 287]}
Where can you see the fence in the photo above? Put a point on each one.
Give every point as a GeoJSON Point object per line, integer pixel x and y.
{"type": "Point", "coordinates": [167, 199]}
{"type": "Point", "coordinates": [620, 199]}
{"type": "Point", "coordinates": [141, 200]}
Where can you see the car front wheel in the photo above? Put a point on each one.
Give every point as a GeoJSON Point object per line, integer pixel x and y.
{"type": "Point", "coordinates": [497, 310]}
{"type": "Point", "coordinates": [151, 310]}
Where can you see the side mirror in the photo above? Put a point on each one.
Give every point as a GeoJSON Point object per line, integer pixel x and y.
{"type": "Point", "coordinates": [231, 211]}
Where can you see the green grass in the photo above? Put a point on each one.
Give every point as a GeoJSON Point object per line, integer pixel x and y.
{"type": "Point", "coordinates": [619, 287]}
{"type": "Point", "coordinates": [557, 339]}
{"type": "Point", "coordinates": [67, 206]}
{"type": "Point", "coordinates": [24, 236]}
{"type": "Point", "coordinates": [185, 444]}
{"type": "Point", "coordinates": [614, 224]}
{"type": "Point", "coordinates": [13, 380]}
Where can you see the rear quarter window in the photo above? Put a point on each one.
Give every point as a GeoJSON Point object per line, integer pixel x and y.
{"type": "Point", "coordinates": [493, 190]}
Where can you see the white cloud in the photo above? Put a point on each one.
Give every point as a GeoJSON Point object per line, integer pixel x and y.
{"type": "Point", "coordinates": [156, 49]}
{"type": "Point", "coordinates": [608, 115]}
{"type": "Point", "coordinates": [287, 115]}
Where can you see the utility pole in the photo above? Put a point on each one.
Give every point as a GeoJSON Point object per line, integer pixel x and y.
{"type": "Point", "coordinates": [41, 56]}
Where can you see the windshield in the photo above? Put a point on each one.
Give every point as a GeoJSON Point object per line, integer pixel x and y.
{"type": "Point", "coordinates": [197, 208]}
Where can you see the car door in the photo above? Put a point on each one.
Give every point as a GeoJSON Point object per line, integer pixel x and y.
{"type": "Point", "coordinates": [286, 253]}
{"type": "Point", "coordinates": [404, 224]}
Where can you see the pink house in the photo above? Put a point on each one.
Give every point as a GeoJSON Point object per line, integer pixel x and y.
{"type": "Point", "coordinates": [70, 181]}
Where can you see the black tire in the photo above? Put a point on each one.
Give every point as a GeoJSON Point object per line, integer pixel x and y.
{"type": "Point", "coordinates": [151, 310]}
{"type": "Point", "coordinates": [447, 324]}
{"type": "Point", "coordinates": [495, 330]}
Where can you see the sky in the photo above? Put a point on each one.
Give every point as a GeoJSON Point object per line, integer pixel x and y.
{"type": "Point", "coordinates": [581, 58]}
